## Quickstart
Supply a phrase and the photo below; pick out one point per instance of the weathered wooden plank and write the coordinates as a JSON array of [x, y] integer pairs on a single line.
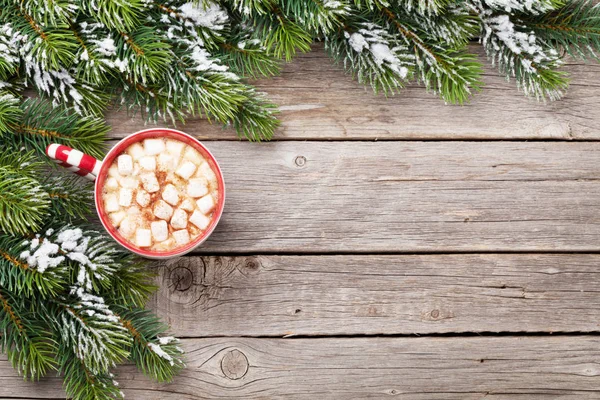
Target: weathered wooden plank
[[355, 295], [296, 197], [472, 368], [319, 101]]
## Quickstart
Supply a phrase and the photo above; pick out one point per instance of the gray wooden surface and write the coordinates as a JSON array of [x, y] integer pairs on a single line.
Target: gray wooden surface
[[426, 368], [391, 247]]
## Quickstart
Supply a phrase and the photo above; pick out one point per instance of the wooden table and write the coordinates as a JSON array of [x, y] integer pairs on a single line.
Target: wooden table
[[392, 247]]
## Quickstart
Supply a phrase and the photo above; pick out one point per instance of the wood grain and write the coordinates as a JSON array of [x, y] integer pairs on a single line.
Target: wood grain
[[298, 197], [356, 295], [473, 368], [319, 101]]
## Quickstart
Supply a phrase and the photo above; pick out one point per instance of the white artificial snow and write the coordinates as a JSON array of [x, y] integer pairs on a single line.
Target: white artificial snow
[[204, 14], [42, 256], [203, 63], [358, 42], [382, 54], [69, 238], [372, 39], [534, 6], [166, 340], [160, 352], [10, 41], [105, 46]]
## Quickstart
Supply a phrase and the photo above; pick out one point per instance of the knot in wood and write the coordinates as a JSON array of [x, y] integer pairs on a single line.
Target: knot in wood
[[234, 364], [252, 265], [181, 278], [300, 161], [435, 314]]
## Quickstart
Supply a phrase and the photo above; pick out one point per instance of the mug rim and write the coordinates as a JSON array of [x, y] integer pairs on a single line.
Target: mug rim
[[103, 173]]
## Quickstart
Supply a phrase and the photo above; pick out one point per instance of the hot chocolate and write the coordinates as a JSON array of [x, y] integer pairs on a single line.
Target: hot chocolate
[[160, 194]]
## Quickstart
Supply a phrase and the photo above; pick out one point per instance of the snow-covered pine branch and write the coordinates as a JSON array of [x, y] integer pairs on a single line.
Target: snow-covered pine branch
[[374, 56], [518, 52]]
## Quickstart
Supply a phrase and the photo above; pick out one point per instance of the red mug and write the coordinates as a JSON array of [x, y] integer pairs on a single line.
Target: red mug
[[96, 170]]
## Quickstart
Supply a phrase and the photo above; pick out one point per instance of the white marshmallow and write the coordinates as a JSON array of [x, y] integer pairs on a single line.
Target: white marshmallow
[[193, 155], [113, 171], [170, 194], [160, 231], [179, 219], [197, 187], [136, 151], [134, 212], [117, 217], [112, 183], [125, 197], [128, 226], [187, 205], [208, 173], [166, 162], [148, 163], [181, 237], [125, 164], [200, 220], [111, 203], [175, 147], [162, 210], [206, 204], [150, 182], [186, 169], [129, 182], [142, 198], [154, 146], [143, 237]]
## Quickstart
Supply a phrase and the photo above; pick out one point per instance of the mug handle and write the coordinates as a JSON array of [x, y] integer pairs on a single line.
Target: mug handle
[[74, 160]]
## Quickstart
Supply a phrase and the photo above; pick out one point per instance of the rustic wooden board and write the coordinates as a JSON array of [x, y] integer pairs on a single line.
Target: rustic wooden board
[[470, 368], [319, 101], [354, 295], [298, 197]]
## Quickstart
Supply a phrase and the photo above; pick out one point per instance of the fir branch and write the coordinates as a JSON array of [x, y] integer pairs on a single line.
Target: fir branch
[[447, 70], [255, 119], [91, 329], [148, 56], [71, 197], [250, 7], [96, 63], [9, 57], [81, 383], [122, 15], [52, 47], [372, 55], [318, 16], [281, 36], [131, 285], [19, 276], [573, 28], [10, 113], [247, 58], [29, 351], [426, 7], [49, 12], [23, 202], [43, 124], [520, 54], [157, 357]]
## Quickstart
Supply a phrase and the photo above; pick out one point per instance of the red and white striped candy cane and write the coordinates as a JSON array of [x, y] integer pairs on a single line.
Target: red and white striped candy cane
[[74, 160]]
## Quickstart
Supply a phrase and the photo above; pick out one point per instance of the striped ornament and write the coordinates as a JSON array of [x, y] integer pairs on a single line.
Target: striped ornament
[[74, 160]]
